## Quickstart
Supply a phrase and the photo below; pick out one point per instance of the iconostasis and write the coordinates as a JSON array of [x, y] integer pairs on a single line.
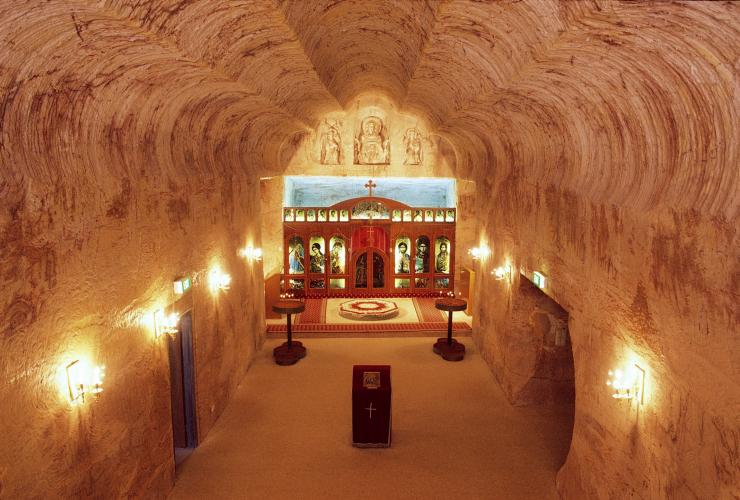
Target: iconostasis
[[368, 246]]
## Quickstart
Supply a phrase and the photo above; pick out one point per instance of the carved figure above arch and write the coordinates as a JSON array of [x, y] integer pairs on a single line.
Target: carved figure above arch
[[372, 146]]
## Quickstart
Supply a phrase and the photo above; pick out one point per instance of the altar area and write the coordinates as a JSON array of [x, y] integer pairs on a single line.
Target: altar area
[[417, 317]]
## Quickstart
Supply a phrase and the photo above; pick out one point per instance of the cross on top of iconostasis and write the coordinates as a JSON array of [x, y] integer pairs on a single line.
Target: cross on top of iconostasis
[[370, 185]]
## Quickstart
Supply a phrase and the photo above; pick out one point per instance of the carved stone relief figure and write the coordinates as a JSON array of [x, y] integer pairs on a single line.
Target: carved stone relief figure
[[412, 140], [372, 146], [331, 146]]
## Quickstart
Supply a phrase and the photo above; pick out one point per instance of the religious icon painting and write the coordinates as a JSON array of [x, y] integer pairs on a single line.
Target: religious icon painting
[[361, 271], [371, 380], [442, 283], [296, 254], [288, 214], [403, 283], [322, 216], [407, 215], [428, 215], [421, 261], [333, 216], [450, 215], [296, 284], [337, 255], [421, 283], [417, 216], [300, 215], [311, 215], [344, 215], [396, 216], [317, 254], [337, 283], [317, 284], [442, 253], [403, 257], [440, 217]]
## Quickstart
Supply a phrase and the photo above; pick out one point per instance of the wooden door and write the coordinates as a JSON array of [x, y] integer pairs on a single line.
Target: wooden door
[[370, 271], [182, 384]]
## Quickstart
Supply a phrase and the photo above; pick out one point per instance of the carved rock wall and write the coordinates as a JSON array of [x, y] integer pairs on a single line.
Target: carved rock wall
[[651, 288], [531, 356], [117, 158]]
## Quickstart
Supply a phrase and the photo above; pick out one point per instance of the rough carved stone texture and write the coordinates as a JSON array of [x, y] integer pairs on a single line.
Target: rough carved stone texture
[[362, 47], [601, 136], [532, 356]]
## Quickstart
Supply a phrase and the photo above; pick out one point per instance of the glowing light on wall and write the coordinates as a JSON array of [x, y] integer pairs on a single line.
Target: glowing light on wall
[[218, 280], [251, 253], [165, 323], [628, 383], [502, 272], [480, 253], [182, 285], [84, 379], [539, 279]]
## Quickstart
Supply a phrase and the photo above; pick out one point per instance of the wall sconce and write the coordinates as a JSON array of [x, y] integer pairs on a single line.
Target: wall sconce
[[82, 380], [182, 285], [165, 323], [502, 272], [628, 385], [539, 279], [251, 254], [218, 280], [479, 253]]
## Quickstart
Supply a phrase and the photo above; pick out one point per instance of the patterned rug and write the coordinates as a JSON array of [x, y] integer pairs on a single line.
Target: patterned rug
[[322, 330], [315, 312], [426, 311]]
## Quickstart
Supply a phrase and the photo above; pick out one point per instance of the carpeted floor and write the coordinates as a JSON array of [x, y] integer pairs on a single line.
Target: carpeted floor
[[287, 432], [417, 317]]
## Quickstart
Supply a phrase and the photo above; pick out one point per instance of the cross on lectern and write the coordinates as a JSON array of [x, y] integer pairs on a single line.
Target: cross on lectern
[[370, 185], [371, 410]]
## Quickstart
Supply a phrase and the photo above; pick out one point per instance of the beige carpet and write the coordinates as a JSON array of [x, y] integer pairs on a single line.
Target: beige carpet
[[287, 432]]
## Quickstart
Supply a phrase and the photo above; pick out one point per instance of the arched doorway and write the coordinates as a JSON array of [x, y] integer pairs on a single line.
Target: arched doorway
[[371, 270], [369, 260]]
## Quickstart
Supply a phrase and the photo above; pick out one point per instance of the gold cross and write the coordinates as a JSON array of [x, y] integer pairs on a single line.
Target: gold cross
[[371, 410], [370, 185]]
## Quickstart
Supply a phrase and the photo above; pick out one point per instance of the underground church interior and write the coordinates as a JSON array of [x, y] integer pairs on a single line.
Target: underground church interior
[[369, 249]]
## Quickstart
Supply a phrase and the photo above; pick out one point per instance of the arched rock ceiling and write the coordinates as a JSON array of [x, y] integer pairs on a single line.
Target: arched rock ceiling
[[632, 103]]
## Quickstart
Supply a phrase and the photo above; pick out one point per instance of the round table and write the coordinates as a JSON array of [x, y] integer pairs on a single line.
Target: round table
[[288, 353], [449, 348]]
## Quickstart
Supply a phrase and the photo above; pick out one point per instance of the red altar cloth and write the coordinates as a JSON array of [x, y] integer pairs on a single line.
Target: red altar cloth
[[371, 406]]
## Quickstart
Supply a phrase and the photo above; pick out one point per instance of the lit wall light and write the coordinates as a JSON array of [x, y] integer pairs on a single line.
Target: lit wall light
[[182, 285], [218, 280], [502, 272], [251, 253], [628, 384], [479, 253], [539, 279], [165, 323], [83, 379]]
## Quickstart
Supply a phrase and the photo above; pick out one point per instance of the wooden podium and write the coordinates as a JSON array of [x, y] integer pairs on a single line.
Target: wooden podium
[[371, 406]]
